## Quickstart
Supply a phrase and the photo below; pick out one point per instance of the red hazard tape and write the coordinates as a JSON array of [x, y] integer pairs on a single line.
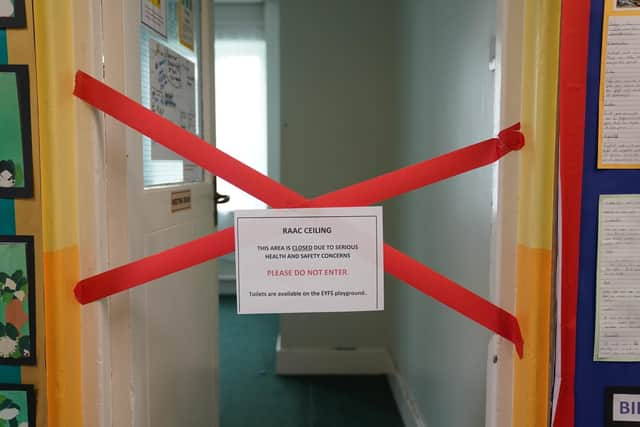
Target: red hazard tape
[[277, 195]]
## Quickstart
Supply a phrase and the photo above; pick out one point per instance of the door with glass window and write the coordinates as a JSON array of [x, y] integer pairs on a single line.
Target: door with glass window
[[163, 334]]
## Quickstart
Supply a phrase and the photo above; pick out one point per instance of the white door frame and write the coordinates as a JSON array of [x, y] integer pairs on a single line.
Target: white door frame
[[102, 31], [92, 218], [508, 88]]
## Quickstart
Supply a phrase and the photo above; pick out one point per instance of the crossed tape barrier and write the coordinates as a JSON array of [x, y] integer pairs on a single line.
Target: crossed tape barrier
[[277, 195]]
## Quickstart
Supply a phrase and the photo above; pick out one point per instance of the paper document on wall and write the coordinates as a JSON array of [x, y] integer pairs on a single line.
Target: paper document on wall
[[618, 279], [154, 15], [172, 88], [185, 23], [309, 260], [619, 136]]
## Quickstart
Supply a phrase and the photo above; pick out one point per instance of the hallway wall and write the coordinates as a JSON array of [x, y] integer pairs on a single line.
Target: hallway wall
[[368, 87], [338, 126], [446, 98]]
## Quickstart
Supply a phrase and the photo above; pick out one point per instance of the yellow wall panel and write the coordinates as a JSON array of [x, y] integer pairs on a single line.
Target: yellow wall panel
[[58, 163], [63, 352], [54, 43], [541, 45], [531, 375], [537, 208]]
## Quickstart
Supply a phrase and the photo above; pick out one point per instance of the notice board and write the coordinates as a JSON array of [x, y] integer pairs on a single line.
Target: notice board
[[600, 180]]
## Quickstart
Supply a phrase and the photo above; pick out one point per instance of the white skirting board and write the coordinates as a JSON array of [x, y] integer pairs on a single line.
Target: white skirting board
[[411, 415], [352, 361], [332, 361]]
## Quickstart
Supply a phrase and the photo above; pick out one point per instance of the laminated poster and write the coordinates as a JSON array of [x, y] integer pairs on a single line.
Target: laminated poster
[[309, 260], [154, 15], [618, 279], [619, 121], [172, 82], [185, 23]]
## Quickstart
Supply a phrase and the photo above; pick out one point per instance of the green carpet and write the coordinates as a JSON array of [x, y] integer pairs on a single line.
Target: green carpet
[[251, 394]]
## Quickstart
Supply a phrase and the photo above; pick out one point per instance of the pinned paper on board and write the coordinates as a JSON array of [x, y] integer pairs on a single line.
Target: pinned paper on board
[[619, 121], [154, 15], [185, 23], [618, 279], [172, 86], [309, 260]]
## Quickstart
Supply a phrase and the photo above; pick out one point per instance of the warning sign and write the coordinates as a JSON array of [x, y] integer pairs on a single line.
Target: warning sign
[[309, 260]]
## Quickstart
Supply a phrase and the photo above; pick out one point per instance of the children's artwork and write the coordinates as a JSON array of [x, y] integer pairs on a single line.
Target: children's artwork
[[12, 14], [17, 303], [16, 170], [17, 405]]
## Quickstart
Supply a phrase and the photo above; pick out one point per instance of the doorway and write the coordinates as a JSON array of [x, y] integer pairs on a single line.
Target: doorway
[[367, 87], [355, 102], [250, 32], [162, 337]]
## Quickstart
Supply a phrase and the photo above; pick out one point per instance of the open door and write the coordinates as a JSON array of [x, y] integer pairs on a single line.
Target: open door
[[164, 335]]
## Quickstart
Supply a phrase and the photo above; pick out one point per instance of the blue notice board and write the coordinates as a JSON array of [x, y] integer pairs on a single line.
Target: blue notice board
[[593, 378]]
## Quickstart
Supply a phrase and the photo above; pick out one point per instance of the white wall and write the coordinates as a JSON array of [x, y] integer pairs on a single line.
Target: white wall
[[337, 111], [445, 103]]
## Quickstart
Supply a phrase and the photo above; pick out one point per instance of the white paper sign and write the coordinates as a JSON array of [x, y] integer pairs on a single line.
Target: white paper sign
[[309, 260], [154, 15], [626, 407], [173, 96], [172, 80], [185, 23], [618, 279]]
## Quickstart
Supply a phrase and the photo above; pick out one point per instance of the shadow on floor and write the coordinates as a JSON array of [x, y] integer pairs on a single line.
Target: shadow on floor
[[251, 394]]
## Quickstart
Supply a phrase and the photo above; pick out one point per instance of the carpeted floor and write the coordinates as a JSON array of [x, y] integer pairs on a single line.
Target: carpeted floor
[[251, 394]]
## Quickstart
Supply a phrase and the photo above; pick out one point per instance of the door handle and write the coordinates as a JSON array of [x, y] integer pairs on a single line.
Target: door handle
[[217, 199], [221, 198]]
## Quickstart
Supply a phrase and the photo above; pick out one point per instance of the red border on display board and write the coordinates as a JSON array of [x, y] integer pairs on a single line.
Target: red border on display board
[[574, 42]]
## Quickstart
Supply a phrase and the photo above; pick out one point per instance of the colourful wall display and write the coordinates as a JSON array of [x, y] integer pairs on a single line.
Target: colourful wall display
[[21, 226], [591, 377], [584, 380]]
